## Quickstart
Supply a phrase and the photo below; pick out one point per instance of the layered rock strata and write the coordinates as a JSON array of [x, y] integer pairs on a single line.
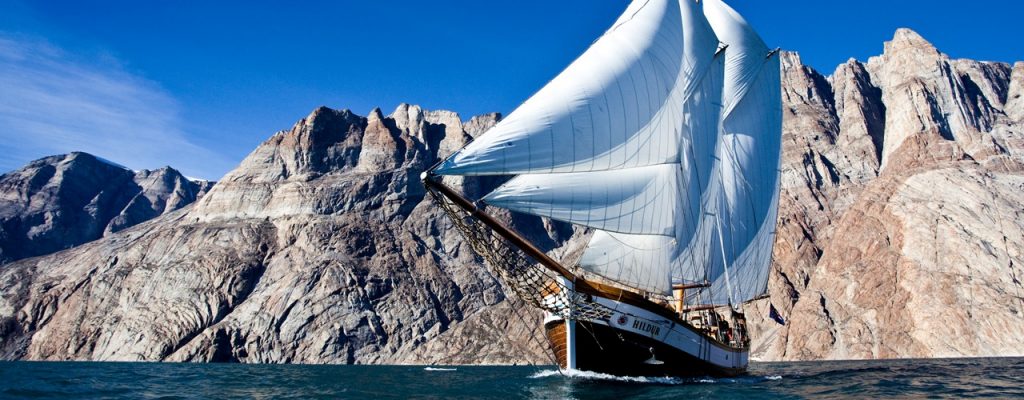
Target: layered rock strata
[[319, 248], [900, 222]]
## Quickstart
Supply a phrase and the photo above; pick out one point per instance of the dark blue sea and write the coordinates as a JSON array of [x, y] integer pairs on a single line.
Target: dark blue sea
[[951, 378]]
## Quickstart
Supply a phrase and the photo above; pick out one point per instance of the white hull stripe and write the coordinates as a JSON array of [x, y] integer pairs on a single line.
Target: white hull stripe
[[637, 320]]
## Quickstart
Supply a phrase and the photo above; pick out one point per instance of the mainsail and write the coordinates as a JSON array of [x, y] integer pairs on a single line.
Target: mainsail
[[749, 154], [664, 138]]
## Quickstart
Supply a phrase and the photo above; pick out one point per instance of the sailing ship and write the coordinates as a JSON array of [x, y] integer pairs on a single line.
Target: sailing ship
[[662, 139]]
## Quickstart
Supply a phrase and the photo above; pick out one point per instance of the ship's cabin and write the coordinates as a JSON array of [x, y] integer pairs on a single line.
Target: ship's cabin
[[721, 322]]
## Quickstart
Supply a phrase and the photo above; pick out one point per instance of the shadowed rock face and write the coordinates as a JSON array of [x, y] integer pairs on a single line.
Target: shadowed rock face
[[899, 236], [59, 202]]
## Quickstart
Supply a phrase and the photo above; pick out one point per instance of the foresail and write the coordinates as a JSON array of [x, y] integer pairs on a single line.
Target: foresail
[[617, 106], [616, 256]]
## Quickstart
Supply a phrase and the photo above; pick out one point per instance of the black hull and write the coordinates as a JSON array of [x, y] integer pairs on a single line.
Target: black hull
[[601, 348]]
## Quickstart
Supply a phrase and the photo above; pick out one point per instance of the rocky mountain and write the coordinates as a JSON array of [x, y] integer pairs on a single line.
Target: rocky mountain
[[59, 202], [899, 236], [900, 216], [319, 247]]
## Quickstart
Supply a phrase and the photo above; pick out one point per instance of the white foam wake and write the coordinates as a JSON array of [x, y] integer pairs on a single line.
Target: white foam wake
[[597, 376], [440, 369]]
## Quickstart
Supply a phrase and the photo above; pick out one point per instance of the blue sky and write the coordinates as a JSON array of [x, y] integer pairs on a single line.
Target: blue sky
[[197, 85]]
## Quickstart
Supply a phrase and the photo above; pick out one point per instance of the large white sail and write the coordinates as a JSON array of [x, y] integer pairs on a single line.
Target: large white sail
[[746, 209], [644, 182], [638, 261]]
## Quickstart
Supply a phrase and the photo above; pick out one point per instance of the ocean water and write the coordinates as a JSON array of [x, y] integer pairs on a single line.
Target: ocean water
[[950, 378]]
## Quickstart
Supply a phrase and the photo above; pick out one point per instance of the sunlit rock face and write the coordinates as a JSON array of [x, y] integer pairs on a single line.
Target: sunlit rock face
[[320, 248], [900, 229], [899, 236]]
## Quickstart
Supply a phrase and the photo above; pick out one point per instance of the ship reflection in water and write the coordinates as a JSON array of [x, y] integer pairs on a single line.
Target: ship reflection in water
[[956, 378]]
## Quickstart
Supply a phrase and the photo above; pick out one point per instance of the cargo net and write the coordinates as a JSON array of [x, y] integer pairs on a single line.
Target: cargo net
[[533, 283]]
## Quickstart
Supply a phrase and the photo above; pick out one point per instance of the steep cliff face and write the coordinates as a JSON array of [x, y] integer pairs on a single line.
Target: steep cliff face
[[900, 211], [63, 201], [1015, 95], [899, 235], [320, 247]]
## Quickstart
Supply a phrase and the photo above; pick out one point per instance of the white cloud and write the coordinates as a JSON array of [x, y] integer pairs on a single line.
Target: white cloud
[[53, 102]]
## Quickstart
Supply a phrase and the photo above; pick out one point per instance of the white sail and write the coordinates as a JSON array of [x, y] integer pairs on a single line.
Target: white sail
[[665, 145], [640, 200], [748, 272], [617, 106], [662, 199], [749, 153], [618, 255]]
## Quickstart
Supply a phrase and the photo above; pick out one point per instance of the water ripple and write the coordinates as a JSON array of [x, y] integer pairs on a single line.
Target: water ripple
[[960, 378]]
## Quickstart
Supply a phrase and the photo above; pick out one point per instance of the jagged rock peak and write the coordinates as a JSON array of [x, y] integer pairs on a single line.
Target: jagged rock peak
[[804, 85], [77, 158], [323, 115], [851, 70], [382, 149], [440, 131], [422, 124], [328, 144], [861, 117], [479, 124], [62, 201], [790, 60], [330, 140], [324, 141], [162, 171], [408, 118], [907, 39], [927, 93], [851, 67], [375, 115], [907, 54]]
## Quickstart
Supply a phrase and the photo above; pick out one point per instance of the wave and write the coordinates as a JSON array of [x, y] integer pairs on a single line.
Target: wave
[[598, 376], [440, 369]]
